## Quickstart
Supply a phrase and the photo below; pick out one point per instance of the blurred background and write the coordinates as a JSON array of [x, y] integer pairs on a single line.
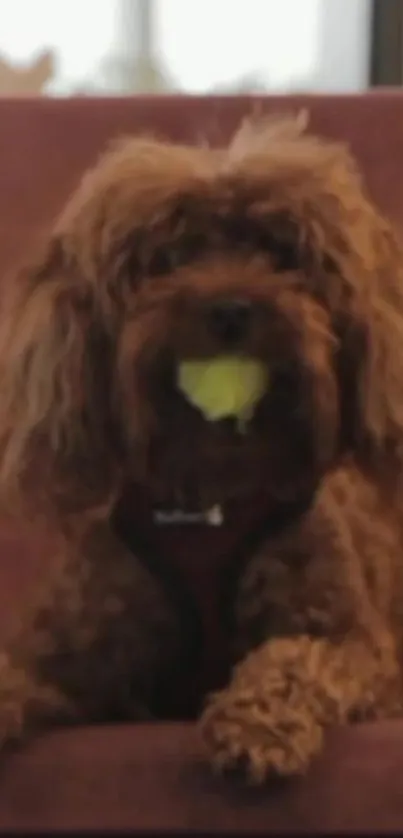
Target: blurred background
[[123, 47]]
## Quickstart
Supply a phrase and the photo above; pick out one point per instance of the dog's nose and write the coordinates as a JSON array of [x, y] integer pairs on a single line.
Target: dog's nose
[[229, 320]]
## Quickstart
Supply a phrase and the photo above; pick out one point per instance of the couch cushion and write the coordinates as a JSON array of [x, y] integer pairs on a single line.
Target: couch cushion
[[152, 778]]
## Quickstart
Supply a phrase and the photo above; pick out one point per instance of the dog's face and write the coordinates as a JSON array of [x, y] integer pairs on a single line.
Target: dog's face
[[267, 250], [235, 302]]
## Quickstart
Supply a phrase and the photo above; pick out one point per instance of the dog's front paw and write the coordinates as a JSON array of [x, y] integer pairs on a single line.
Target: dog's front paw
[[244, 733]]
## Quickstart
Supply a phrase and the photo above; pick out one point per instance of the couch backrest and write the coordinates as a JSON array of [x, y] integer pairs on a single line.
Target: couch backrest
[[45, 144]]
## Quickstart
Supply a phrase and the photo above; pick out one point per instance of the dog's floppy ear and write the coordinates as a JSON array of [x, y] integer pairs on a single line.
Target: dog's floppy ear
[[310, 192], [371, 349], [55, 444], [356, 269]]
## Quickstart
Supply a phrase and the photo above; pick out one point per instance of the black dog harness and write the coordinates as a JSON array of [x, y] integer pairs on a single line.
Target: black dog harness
[[198, 557]]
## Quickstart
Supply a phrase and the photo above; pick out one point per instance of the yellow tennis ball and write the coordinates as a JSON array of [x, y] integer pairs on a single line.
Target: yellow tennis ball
[[224, 386]]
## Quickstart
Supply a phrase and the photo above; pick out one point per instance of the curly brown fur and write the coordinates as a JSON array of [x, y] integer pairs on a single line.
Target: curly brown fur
[[89, 344]]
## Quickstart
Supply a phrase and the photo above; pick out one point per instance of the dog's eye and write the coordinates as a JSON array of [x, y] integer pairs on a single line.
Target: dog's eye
[[283, 243], [169, 255], [283, 251], [285, 256], [157, 263], [160, 262], [277, 236]]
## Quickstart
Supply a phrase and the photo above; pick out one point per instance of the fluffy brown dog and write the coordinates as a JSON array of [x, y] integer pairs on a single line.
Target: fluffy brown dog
[[271, 249]]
